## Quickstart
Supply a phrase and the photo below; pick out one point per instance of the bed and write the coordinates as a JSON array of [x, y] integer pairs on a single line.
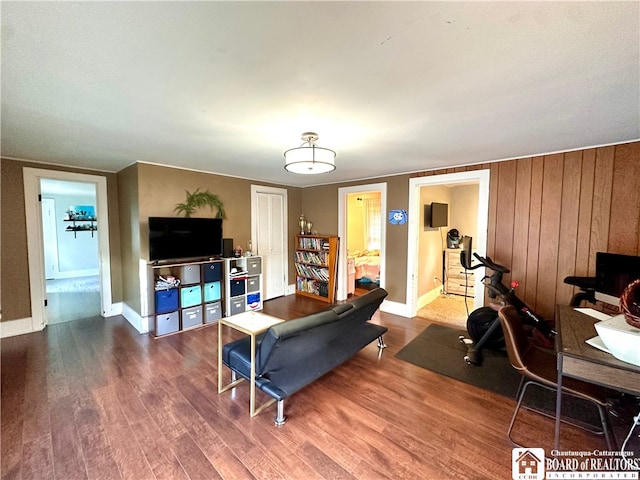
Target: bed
[[367, 265]]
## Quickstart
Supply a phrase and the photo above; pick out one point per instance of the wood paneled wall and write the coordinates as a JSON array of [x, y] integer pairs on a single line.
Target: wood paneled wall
[[549, 215]]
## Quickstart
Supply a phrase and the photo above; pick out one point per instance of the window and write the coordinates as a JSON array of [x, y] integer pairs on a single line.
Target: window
[[372, 223]]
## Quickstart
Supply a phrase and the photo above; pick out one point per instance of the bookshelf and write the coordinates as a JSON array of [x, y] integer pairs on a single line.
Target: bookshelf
[[316, 261]]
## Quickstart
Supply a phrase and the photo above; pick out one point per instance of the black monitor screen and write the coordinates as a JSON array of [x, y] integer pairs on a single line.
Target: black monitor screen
[[615, 271]]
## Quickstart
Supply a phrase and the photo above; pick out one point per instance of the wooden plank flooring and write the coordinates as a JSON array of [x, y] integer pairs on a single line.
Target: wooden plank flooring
[[93, 399]]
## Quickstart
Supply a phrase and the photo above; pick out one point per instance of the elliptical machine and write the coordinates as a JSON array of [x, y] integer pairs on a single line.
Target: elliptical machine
[[483, 324]]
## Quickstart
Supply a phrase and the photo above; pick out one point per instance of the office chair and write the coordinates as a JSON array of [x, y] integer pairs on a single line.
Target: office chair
[[539, 367]]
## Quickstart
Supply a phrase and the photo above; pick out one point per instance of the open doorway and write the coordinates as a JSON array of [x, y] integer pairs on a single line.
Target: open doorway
[[362, 232], [35, 239], [71, 260], [425, 240]]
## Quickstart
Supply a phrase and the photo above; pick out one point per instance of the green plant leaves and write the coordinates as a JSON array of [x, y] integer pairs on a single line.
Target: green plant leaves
[[198, 200]]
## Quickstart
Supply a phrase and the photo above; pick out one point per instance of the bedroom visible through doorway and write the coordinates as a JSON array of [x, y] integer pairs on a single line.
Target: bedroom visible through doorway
[[362, 211], [364, 229]]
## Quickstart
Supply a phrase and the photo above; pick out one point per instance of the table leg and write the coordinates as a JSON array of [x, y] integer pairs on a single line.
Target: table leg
[[558, 403], [219, 357], [252, 381]]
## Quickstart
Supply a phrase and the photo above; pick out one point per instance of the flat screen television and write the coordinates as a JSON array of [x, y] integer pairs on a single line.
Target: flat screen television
[[613, 273], [439, 215], [176, 238]]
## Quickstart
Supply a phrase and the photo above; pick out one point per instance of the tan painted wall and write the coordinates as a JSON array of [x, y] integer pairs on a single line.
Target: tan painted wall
[[153, 190], [463, 209], [14, 279], [431, 241], [320, 205], [129, 231]]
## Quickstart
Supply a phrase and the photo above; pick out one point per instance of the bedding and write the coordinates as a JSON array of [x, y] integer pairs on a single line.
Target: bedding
[[367, 265]]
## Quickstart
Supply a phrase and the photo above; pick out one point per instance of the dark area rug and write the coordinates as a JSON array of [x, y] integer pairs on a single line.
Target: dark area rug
[[438, 349]]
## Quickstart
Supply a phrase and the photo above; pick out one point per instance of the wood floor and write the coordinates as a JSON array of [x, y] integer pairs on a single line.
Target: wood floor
[[93, 399]]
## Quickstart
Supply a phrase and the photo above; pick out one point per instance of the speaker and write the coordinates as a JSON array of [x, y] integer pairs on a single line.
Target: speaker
[[227, 247]]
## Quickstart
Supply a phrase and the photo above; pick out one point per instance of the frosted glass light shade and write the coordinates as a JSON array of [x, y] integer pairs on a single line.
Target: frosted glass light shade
[[308, 160]]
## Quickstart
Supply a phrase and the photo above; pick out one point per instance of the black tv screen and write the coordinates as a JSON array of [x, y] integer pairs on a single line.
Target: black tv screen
[[174, 238], [439, 215]]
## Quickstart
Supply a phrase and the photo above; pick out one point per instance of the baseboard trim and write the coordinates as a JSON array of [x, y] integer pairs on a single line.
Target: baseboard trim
[[395, 308], [141, 324], [429, 297], [12, 328]]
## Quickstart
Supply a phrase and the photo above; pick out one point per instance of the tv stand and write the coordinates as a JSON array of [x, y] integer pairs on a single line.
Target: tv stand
[[194, 303]]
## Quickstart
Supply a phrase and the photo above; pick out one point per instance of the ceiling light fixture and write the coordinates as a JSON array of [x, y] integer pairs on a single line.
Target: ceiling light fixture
[[309, 158]]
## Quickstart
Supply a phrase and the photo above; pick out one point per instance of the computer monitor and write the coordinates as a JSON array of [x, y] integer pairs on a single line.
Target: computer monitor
[[613, 273]]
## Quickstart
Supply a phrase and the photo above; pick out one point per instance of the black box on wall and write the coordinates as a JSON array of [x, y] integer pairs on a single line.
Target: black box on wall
[[227, 247]]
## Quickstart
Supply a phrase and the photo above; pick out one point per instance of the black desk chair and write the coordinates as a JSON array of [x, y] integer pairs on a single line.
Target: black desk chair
[[539, 367], [587, 286]]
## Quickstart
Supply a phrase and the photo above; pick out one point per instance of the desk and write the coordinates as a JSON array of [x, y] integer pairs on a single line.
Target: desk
[[579, 360], [252, 324]]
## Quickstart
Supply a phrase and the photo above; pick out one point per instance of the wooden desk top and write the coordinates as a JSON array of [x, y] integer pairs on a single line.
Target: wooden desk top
[[587, 362]]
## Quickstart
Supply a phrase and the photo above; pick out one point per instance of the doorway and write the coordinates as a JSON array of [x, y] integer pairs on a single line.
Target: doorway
[[361, 228], [70, 240], [33, 188], [416, 225]]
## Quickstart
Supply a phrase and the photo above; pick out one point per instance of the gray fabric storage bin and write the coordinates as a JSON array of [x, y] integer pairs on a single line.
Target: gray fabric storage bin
[[253, 284], [237, 305], [189, 274], [212, 312], [191, 317], [167, 323], [254, 265]]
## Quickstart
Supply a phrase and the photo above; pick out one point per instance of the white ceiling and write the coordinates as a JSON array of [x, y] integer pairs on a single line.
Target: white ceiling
[[392, 87]]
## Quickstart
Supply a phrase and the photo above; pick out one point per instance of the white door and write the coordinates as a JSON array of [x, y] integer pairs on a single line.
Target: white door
[[269, 235], [49, 237]]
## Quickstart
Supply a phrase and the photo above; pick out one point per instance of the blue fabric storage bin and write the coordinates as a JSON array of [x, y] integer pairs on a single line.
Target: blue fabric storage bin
[[166, 300], [190, 296], [253, 301], [237, 287], [212, 272], [212, 291]]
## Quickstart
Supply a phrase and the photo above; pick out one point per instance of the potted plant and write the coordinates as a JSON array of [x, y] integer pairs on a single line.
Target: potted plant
[[200, 199]]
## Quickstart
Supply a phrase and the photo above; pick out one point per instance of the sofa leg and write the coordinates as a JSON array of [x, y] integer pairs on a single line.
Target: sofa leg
[[280, 418], [381, 343], [234, 376]]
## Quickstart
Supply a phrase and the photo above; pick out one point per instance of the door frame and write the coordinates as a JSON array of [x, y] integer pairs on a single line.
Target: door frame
[[343, 193], [255, 190], [35, 247], [415, 215]]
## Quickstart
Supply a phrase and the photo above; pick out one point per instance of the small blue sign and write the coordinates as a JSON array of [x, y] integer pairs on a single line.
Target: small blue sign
[[398, 217]]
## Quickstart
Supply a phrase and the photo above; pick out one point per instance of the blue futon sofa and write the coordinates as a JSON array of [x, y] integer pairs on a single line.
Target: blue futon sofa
[[292, 354]]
